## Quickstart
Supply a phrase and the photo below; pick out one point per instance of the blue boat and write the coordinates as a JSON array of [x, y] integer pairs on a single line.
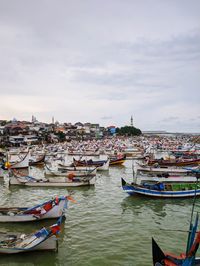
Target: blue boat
[[162, 189]]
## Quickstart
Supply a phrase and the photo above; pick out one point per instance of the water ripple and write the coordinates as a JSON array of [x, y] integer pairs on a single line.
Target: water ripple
[[105, 227]]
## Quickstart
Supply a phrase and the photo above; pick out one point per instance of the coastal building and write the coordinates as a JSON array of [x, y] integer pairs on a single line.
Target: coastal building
[[79, 125], [16, 140], [16, 128], [112, 130], [31, 139]]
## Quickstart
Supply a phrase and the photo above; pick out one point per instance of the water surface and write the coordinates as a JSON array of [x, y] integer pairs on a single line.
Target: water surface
[[105, 227]]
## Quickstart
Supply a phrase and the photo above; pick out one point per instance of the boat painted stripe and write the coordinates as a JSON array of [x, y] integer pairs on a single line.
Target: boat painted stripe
[[154, 192]]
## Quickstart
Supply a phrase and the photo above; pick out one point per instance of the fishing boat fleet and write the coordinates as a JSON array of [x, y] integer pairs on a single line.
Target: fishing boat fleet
[[162, 168], [173, 177], [57, 171], [43, 239]]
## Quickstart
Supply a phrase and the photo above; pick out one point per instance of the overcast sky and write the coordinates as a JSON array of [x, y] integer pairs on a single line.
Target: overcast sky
[[102, 61]]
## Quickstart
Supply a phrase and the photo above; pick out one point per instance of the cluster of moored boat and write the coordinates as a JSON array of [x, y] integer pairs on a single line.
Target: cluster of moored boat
[[57, 173], [174, 177], [165, 182], [167, 171], [81, 172], [43, 239], [165, 168]]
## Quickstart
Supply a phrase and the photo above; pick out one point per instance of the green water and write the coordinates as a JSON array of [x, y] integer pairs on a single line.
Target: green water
[[105, 227]]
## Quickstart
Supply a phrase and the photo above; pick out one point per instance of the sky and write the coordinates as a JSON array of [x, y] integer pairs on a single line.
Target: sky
[[102, 61]]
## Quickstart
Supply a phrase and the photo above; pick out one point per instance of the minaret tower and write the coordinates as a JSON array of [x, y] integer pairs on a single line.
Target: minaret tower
[[131, 121]]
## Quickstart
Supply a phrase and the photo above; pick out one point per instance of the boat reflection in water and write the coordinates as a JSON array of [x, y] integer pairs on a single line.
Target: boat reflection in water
[[159, 207]]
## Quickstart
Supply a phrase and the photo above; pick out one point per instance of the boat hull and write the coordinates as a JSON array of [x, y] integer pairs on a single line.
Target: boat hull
[[166, 163], [15, 181], [139, 190], [100, 165], [23, 164], [50, 244], [55, 212], [117, 161], [39, 162]]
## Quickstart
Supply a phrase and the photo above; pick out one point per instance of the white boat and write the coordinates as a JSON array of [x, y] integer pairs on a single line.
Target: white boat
[[24, 163], [37, 161], [166, 175], [66, 173], [48, 210], [51, 182], [162, 170], [44, 239], [91, 169], [141, 179]]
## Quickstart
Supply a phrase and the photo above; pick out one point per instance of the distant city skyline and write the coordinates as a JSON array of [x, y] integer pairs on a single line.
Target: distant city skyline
[[53, 120], [35, 120], [102, 62]]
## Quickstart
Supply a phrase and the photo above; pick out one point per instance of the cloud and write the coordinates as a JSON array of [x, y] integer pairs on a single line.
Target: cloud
[[101, 62], [106, 117], [184, 47], [170, 119]]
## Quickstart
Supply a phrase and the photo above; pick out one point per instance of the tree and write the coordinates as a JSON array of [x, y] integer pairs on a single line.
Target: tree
[[3, 123], [61, 136], [128, 131]]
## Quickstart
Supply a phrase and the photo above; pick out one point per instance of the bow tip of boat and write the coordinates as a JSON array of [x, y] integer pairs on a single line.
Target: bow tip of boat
[[123, 182]]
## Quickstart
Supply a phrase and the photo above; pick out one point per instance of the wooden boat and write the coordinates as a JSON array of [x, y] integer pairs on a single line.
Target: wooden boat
[[88, 162], [37, 162], [143, 169], [170, 180], [16, 179], [185, 153], [117, 160], [102, 165], [24, 163], [185, 259], [44, 239], [174, 162], [63, 167], [70, 174], [162, 190], [48, 210], [166, 259]]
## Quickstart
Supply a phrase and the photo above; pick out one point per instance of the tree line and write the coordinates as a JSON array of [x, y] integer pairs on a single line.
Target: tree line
[[128, 131]]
